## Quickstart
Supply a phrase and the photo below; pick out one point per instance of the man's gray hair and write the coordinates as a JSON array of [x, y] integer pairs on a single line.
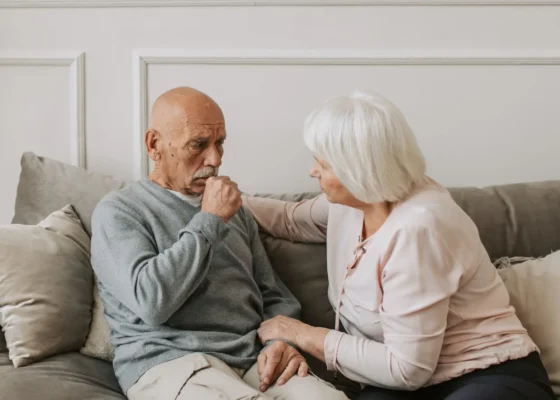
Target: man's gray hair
[[369, 144]]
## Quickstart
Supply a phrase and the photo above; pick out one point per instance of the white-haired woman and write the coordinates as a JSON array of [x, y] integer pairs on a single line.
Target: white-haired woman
[[425, 314]]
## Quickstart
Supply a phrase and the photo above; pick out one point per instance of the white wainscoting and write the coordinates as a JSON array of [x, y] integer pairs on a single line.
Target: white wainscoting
[[71, 146], [479, 81], [273, 3], [487, 143]]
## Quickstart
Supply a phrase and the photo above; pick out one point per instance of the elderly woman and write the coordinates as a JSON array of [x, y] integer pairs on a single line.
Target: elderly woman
[[425, 314]]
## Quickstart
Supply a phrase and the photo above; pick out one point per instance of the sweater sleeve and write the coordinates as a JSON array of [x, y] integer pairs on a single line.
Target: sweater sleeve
[[418, 280], [152, 284], [277, 298], [305, 221]]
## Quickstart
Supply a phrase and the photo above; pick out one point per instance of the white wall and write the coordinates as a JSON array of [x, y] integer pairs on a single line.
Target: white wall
[[480, 84]]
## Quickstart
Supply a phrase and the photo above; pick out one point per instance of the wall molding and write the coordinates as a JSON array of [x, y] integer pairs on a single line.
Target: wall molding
[[75, 61], [144, 57], [252, 3]]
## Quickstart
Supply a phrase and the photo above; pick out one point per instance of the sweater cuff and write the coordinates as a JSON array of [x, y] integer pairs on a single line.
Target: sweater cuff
[[332, 342], [211, 226]]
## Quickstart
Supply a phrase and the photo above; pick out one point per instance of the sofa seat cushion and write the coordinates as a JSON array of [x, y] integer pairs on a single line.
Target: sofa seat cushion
[[67, 376]]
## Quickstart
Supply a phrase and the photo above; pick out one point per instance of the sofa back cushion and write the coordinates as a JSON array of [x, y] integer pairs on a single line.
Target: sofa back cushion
[[46, 185], [515, 220]]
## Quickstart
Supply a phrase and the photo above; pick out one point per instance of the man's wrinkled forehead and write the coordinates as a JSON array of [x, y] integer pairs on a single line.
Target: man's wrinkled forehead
[[215, 131]]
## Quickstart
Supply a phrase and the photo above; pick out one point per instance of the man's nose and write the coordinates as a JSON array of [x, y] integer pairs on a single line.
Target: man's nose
[[213, 157]]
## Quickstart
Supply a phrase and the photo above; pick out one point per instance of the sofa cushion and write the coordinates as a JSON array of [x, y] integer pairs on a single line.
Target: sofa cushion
[[46, 185], [533, 287], [69, 376], [515, 220], [45, 287]]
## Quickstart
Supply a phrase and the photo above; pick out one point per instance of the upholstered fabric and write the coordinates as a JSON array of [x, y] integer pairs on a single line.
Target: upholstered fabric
[[46, 185], [515, 220], [45, 287], [70, 376], [534, 289]]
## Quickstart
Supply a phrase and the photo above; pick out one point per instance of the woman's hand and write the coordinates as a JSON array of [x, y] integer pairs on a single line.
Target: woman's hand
[[308, 338], [281, 327]]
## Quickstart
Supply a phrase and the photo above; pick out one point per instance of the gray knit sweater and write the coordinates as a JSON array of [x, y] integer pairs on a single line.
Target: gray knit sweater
[[175, 280]]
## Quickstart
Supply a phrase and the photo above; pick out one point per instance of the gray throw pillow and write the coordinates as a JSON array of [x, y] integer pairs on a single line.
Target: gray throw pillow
[[47, 185], [45, 287]]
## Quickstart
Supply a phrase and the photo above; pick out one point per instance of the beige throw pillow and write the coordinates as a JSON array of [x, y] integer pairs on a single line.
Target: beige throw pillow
[[45, 287], [98, 343], [533, 287]]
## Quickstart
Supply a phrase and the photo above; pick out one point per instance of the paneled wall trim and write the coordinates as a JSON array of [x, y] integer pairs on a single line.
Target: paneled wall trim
[[144, 57], [76, 113], [230, 3]]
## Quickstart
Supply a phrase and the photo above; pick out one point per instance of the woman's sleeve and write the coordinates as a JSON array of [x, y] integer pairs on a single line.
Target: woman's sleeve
[[305, 221], [417, 280]]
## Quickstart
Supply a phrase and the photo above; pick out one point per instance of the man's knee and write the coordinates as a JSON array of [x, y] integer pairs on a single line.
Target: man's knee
[[309, 387]]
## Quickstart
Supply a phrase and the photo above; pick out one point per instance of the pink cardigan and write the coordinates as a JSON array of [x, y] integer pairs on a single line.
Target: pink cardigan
[[423, 305]]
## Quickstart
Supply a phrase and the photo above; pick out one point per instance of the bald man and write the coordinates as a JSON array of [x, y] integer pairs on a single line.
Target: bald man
[[184, 277]]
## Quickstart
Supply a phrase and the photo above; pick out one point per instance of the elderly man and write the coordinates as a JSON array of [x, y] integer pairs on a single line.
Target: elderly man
[[184, 277]]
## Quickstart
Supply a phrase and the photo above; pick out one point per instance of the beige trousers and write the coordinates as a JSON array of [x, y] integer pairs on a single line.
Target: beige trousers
[[202, 377]]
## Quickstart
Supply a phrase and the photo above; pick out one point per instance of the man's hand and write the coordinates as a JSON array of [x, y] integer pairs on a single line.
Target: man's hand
[[279, 362], [221, 197]]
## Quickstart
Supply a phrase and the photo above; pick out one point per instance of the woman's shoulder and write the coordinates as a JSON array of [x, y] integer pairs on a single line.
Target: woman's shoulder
[[433, 209]]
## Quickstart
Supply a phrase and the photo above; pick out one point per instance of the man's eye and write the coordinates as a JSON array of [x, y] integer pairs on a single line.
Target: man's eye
[[199, 145]]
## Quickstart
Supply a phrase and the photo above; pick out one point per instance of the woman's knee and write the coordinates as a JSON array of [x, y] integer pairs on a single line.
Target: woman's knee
[[515, 390], [374, 393]]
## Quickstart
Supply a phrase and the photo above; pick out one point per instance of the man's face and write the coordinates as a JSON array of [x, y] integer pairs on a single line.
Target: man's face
[[193, 154]]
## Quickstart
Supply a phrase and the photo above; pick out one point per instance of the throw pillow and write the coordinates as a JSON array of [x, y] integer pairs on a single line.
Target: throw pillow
[[45, 287], [533, 289], [98, 343]]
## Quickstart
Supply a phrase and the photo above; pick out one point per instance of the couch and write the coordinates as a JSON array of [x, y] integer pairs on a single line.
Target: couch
[[513, 220]]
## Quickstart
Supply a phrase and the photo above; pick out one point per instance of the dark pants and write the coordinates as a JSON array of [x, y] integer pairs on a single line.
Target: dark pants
[[520, 379]]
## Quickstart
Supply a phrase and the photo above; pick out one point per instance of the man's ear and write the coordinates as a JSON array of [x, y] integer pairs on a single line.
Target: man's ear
[[152, 141]]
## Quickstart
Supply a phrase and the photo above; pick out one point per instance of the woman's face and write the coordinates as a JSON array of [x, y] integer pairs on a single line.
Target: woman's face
[[331, 185]]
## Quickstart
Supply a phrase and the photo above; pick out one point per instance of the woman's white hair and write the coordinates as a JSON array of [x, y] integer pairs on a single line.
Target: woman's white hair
[[369, 145]]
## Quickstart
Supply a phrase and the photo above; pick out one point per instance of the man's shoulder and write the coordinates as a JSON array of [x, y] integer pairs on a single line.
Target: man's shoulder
[[121, 200], [245, 217]]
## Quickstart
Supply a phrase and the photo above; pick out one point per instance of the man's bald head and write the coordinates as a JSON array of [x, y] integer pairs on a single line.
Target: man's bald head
[[178, 107], [185, 139]]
